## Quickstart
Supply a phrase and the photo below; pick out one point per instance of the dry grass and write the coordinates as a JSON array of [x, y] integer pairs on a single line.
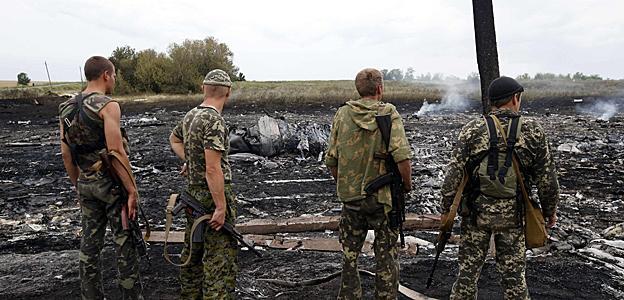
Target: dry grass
[[13, 83], [338, 91]]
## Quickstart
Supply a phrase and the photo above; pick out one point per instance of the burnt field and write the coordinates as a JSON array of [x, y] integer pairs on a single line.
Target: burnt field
[[40, 220]]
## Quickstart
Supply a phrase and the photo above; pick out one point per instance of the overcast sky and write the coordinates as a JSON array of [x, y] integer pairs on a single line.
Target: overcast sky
[[292, 40]]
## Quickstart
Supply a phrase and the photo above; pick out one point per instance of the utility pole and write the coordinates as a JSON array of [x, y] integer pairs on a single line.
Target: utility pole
[[47, 71], [485, 40]]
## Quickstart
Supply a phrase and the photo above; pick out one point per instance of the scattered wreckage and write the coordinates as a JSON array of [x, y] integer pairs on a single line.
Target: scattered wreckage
[[279, 177]]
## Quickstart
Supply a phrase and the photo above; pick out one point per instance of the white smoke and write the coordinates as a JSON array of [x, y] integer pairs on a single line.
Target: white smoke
[[452, 101], [602, 110]]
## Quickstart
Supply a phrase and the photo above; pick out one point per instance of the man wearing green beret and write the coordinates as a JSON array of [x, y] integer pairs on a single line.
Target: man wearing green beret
[[493, 204], [201, 139]]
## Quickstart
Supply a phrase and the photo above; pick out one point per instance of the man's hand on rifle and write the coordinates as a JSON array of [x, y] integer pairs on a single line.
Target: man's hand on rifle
[[132, 206], [218, 218], [552, 220]]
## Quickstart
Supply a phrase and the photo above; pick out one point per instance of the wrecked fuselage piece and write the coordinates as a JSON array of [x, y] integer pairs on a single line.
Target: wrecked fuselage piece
[[272, 136]]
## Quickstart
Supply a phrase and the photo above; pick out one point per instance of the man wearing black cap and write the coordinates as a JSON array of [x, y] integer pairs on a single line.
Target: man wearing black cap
[[491, 206]]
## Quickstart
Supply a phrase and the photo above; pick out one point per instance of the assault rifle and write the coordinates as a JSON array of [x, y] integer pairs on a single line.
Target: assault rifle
[[447, 226], [132, 226], [393, 178], [198, 210]]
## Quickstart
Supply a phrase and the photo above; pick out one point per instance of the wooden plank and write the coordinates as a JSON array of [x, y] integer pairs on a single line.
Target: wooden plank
[[301, 224], [306, 224], [294, 243]]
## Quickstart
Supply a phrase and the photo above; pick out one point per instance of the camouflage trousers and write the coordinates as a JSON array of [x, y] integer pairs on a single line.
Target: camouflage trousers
[[510, 261], [100, 207], [211, 273], [357, 217]]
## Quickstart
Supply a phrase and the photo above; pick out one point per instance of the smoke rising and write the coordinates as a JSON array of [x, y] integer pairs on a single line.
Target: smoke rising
[[602, 110], [452, 101]]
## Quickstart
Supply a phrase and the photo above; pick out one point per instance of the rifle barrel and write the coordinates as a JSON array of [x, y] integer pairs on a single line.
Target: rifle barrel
[[435, 263]]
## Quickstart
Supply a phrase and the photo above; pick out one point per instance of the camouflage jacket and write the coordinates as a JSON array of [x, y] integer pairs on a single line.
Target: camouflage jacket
[[353, 142], [203, 128], [533, 151], [88, 163]]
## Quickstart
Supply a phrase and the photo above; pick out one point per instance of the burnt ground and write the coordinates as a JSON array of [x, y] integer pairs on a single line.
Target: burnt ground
[[40, 223]]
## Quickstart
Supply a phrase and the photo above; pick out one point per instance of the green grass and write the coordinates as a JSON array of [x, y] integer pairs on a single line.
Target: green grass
[[338, 91]]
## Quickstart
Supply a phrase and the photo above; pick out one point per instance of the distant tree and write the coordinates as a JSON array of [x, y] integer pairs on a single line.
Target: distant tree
[[544, 76], [524, 76], [122, 86], [395, 74], [473, 77], [594, 77], [179, 70], [451, 78], [437, 77], [240, 77], [125, 60], [194, 58], [424, 77], [22, 79], [409, 74], [152, 72], [384, 73]]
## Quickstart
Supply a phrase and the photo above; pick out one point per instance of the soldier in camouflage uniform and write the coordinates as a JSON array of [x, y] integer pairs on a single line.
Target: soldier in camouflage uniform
[[502, 218], [201, 139], [99, 205], [353, 143]]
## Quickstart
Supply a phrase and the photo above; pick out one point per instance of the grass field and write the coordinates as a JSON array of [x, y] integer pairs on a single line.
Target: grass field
[[338, 91], [13, 83]]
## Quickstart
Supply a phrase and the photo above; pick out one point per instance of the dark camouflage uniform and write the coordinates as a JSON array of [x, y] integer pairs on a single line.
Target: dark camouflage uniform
[[99, 207], [499, 217], [353, 142], [211, 274]]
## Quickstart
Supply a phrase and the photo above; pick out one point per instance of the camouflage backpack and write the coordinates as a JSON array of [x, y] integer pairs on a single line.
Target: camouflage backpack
[[82, 134], [495, 174]]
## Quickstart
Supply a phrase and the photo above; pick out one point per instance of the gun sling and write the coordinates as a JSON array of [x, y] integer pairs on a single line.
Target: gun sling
[[79, 114], [384, 123], [535, 226], [170, 205]]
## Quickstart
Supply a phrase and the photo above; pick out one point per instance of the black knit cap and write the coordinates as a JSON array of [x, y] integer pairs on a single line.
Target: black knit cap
[[503, 87]]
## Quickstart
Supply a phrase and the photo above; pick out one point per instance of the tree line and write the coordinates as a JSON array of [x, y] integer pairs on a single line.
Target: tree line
[[409, 75], [179, 70]]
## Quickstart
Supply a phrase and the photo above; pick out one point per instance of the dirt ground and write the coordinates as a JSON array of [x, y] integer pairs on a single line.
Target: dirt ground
[[40, 220]]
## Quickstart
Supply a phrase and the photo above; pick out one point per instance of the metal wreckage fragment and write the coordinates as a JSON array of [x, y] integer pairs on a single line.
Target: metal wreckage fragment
[[271, 136]]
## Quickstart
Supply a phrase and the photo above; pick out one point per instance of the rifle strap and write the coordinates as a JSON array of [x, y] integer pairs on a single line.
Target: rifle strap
[[385, 134], [170, 204], [126, 167], [492, 163], [515, 163]]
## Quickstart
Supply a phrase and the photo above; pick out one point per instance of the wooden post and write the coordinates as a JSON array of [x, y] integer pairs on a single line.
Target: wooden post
[[485, 40]]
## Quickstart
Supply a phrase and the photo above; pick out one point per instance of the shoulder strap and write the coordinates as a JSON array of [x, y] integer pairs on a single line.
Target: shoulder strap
[[510, 140], [170, 204], [83, 114], [516, 167], [492, 164], [384, 123]]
